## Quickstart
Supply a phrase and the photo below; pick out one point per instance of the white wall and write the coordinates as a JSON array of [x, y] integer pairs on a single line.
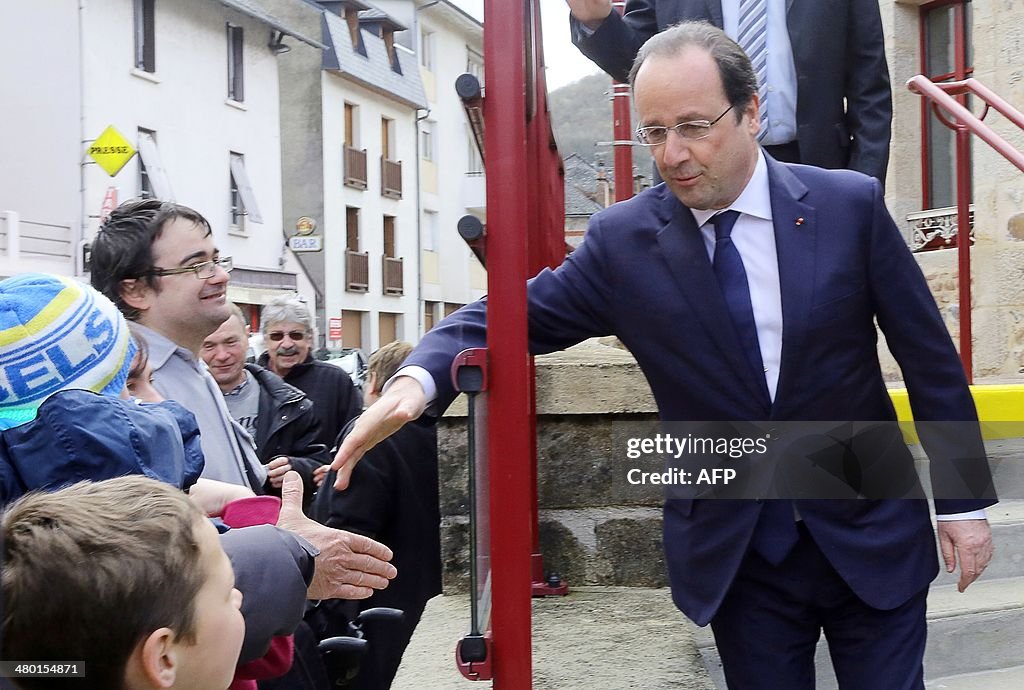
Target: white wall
[[40, 121], [459, 277], [185, 103]]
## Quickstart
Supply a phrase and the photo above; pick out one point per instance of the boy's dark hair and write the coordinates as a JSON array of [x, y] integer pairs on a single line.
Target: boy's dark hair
[[91, 570], [123, 247]]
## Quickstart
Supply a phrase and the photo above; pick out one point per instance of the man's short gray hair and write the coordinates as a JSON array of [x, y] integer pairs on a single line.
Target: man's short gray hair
[[286, 309]]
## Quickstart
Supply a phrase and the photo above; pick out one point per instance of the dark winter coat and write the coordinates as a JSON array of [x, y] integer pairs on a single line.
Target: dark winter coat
[[287, 425], [335, 399]]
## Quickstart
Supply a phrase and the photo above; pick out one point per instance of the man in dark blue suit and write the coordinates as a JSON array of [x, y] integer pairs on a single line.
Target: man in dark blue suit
[[817, 259], [829, 102]]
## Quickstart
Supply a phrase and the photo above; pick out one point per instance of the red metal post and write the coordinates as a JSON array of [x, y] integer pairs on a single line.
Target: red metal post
[[963, 201], [622, 133], [508, 439], [963, 246]]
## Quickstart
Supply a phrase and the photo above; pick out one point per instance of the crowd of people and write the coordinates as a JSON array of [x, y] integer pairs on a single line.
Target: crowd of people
[[132, 426]]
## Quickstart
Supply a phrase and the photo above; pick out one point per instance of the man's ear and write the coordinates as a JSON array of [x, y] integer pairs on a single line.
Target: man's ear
[[372, 384], [753, 111], [135, 292], [157, 658]]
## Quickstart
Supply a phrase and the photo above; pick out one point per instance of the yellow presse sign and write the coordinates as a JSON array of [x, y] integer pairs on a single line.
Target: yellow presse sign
[[111, 151]]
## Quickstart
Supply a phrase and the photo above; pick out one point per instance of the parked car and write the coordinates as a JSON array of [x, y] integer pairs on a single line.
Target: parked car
[[351, 359]]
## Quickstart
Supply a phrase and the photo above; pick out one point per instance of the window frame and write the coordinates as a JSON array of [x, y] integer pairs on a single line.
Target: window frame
[[961, 70], [236, 62], [144, 29]]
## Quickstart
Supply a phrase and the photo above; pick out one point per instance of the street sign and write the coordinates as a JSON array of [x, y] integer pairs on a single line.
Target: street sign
[[334, 328], [111, 151], [305, 243]]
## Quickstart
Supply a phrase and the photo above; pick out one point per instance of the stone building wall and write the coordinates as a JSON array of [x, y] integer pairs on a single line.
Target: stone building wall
[[997, 264], [595, 528]]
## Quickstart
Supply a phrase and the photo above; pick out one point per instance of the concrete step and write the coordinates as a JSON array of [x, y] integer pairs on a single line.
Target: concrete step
[[976, 631], [1002, 679]]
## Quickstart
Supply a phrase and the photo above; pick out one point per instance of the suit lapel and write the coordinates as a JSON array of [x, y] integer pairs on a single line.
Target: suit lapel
[[795, 241], [683, 249]]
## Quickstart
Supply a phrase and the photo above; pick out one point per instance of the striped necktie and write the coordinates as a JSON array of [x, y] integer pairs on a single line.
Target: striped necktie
[[753, 38]]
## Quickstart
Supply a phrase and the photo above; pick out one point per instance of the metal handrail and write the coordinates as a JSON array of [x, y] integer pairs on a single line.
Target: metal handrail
[[964, 124], [941, 96]]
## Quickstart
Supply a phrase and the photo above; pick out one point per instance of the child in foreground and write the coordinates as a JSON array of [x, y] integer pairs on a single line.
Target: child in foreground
[[125, 575]]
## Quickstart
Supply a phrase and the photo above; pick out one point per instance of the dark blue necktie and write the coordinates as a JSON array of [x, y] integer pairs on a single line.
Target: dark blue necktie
[[732, 280], [775, 534]]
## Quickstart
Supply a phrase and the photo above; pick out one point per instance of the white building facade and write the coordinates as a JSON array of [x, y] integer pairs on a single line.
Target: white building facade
[[448, 43], [192, 85]]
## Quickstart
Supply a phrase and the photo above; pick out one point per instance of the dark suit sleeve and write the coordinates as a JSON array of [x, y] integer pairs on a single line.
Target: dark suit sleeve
[[273, 569], [868, 95], [564, 307], [615, 43], [944, 411]]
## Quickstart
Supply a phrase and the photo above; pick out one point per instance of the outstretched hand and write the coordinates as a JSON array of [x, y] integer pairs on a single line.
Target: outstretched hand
[[971, 540], [403, 402], [590, 12], [350, 566]]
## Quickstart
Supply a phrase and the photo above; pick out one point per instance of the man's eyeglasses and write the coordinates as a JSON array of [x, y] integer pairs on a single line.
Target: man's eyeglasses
[[694, 129], [278, 336], [204, 270]]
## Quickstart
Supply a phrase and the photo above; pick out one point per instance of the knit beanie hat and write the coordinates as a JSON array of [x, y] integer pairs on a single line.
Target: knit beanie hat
[[56, 334]]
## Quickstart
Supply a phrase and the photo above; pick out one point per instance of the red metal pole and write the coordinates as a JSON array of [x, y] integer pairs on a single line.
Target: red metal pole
[[963, 200], [622, 134], [623, 142], [963, 245], [508, 437]]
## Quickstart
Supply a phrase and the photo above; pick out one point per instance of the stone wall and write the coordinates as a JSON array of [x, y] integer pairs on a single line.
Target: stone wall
[[997, 264], [594, 528]]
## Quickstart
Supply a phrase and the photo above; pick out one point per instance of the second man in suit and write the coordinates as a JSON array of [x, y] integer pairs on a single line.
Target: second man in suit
[[824, 88]]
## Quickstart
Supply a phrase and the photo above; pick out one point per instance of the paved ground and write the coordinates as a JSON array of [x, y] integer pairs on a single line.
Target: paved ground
[[597, 638]]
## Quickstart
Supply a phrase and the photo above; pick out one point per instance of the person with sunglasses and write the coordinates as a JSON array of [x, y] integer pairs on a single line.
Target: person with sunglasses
[[288, 334]]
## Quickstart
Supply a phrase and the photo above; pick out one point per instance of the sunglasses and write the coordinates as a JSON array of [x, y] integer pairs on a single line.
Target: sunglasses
[[278, 336]]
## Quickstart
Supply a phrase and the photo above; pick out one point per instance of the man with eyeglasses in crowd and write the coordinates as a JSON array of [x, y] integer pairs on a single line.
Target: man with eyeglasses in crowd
[[159, 264], [288, 333]]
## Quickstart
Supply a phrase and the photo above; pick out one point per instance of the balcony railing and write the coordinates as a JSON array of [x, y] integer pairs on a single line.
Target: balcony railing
[[357, 271], [390, 178], [393, 276], [936, 228], [355, 168]]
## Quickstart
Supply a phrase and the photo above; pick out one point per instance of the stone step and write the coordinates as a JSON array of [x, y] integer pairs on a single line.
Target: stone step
[[976, 631], [1001, 679]]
